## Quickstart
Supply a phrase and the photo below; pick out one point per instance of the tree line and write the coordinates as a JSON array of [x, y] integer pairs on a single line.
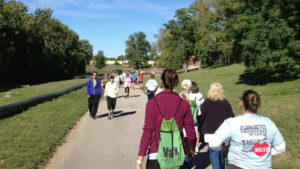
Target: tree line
[[264, 34], [36, 47]]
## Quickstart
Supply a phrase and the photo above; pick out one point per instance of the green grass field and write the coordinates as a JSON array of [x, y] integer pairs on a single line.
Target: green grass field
[[29, 138], [280, 102], [20, 94]]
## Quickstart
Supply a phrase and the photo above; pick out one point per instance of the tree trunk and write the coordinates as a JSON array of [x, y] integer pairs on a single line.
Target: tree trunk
[[185, 66], [200, 64], [228, 59]]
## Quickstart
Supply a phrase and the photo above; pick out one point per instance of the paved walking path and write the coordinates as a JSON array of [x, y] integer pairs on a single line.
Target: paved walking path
[[108, 144]]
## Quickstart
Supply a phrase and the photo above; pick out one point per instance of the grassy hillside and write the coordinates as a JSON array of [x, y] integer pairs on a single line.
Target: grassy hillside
[[28, 139], [280, 102]]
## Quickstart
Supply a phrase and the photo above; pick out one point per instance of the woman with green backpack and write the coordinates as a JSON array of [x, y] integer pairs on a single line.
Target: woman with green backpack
[[190, 92], [166, 116]]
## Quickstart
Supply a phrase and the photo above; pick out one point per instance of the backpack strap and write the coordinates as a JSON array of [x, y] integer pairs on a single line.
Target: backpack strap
[[178, 107], [160, 109]]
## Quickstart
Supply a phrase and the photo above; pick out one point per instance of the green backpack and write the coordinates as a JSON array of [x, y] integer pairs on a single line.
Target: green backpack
[[170, 153], [194, 109]]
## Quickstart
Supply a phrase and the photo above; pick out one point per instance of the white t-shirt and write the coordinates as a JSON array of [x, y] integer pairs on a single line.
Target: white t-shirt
[[158, 90], [116, 79], [198, 97], [151, 85], [251, 138]]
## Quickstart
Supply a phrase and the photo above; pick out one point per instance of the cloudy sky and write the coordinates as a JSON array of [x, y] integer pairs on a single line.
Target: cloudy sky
[[107, 24]]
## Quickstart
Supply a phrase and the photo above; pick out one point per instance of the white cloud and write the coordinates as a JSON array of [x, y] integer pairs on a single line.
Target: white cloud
[[79, 13]]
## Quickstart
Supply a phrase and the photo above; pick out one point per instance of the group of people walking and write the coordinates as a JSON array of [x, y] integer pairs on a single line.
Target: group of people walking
[[95, 92], [108, 88], [176, 124], [249, 140]]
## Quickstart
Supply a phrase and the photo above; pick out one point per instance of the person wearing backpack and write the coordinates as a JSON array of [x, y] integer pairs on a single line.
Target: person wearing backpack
[[140, 79], [190, 92], [214, 111], [196, 100], [151, 87], [166, 116]]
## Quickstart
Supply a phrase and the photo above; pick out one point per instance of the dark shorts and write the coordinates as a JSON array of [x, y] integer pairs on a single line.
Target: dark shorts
[[111, 103], [133, 81]]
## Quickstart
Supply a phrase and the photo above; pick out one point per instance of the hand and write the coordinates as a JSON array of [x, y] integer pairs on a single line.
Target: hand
[[225, 150], [138, 166], [89, 96], [192, 152]]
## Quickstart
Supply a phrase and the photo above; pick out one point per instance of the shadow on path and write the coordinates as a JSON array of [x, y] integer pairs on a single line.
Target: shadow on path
[[135, 96], [124, 114], [105, 115], [116, 114]]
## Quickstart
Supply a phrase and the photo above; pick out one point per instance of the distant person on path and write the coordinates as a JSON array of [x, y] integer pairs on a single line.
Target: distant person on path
[[151, 87], [254, 138], [140, 79], [133, 80], [94, 92], [167, 105], [214, 111], [104, 81], [111, 91], [127, 82]]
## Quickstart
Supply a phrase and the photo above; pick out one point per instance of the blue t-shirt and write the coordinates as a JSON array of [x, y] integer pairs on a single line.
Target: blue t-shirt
[[252, 137], [133, 76]]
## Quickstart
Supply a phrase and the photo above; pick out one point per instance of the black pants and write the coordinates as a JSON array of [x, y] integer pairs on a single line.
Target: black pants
[[127, 90], [231, 166], [153, 164], [111, 103], [93, 104]]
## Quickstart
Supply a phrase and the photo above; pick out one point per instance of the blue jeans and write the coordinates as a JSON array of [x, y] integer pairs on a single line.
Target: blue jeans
[[216, 159]]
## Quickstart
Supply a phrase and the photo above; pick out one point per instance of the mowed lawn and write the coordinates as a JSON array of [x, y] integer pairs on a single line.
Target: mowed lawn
[[280, 102], [20, 94], [28, 139]]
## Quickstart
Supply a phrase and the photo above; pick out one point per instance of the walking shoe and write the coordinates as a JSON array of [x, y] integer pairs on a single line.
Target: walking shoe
[[108, 116], [111, 115]]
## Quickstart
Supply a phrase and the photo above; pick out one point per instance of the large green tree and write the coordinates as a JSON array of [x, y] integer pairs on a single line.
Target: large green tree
[[178, 39], [265, 34], [137, 49], [36, 47], [100, 59]]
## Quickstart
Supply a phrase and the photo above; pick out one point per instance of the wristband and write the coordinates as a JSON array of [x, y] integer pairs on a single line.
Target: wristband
[[139, 161]]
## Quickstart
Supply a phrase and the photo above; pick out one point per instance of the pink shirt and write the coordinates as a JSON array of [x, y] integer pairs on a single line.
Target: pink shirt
[[127, 82], [168, 102]]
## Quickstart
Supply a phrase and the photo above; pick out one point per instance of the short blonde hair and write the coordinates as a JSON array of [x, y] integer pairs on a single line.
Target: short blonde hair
[[216, 92]]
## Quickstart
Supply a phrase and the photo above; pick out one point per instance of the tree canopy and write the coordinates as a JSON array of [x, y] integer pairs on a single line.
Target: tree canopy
[[100, 59], [137, 49], [262, 34], [36, 47]]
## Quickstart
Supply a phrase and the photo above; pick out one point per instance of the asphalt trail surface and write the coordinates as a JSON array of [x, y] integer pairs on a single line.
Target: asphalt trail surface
[[109, 144]]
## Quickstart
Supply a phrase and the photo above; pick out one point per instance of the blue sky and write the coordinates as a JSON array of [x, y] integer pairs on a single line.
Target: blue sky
[[107, 24]]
